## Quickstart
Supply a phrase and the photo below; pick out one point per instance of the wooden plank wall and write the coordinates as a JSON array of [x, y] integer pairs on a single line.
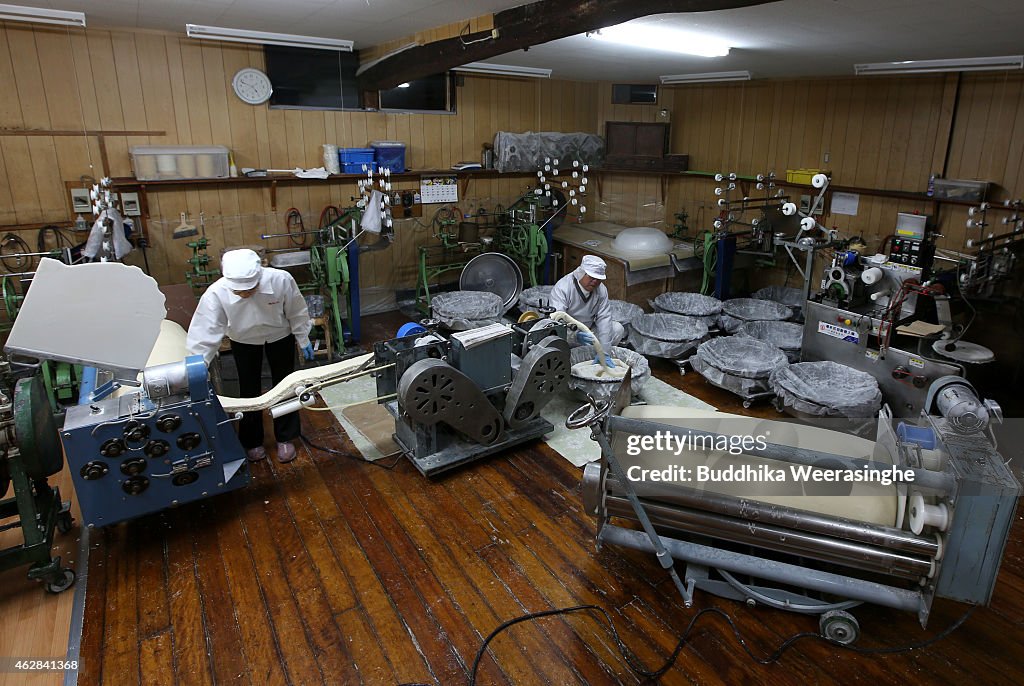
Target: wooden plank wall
[[888, 133], [137, 80], [884, 133]]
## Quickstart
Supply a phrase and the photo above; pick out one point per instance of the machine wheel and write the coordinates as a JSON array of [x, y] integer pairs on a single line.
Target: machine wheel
[[63, 584], [839, 627], [747, 404], [65, 522]]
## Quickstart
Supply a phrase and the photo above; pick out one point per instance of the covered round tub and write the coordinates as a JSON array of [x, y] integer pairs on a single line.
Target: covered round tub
[[666, 335], [739, 364], [624, 313], [463, 310], [793, 298], [786, 336], [592, 380], [739, 310], [826, 389], [532, 298], [690, 305]]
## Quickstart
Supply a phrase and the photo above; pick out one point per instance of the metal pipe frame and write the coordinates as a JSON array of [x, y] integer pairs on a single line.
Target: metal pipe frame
[[771, 570]]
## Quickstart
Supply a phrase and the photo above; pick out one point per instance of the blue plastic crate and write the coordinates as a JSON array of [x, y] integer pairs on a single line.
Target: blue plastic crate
[[389, 155], [356, 167], [355, 155]]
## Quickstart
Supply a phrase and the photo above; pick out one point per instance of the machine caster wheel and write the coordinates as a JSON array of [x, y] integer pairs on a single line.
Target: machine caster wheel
[[65, 522], [747, 404], [66, 581], [839, 627]]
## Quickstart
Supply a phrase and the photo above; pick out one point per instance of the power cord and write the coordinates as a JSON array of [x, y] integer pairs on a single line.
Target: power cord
[[634, 663], [342, 453]]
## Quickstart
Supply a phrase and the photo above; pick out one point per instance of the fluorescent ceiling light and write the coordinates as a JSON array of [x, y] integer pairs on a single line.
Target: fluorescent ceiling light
[[264, 38], [504, 70], [41, 16], [705, 78], [655, 37], [933, 66]]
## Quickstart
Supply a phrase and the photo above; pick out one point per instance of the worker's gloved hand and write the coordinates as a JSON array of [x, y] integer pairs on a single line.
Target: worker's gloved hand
[[607, 361], [307, 352], [584, 338]]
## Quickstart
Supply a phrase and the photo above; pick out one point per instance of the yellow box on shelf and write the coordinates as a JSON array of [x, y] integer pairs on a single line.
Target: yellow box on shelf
[[803, 176]]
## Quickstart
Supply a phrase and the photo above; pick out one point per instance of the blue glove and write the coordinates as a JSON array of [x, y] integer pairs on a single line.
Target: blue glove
[[607, 361], [584, 338], [307, 352]]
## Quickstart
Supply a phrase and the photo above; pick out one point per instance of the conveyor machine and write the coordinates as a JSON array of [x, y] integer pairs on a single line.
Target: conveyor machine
[[155, 435], [808, 519]]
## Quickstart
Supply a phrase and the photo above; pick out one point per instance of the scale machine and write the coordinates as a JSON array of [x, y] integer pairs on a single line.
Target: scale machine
[[150, 438]]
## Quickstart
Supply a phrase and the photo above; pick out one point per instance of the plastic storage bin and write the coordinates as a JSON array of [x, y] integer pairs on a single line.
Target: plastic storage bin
[[961, 189], [353, 159], [157, 162], [389, 155]]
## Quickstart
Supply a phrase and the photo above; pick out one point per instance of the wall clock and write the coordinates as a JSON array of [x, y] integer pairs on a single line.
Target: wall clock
[[252, 86]]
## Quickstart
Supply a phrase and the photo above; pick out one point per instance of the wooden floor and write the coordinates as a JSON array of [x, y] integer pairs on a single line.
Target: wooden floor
[[36, 623], [336, 571]]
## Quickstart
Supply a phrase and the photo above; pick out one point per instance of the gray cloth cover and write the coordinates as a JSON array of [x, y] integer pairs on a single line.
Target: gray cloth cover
[[463, 310], [739, 310], [792, 298], [826, 389], [605, 389], [532, 298], [738, 364], [623, 312], [742, 356], [525, 152], [689, 304], [666, 335], [786, 336]]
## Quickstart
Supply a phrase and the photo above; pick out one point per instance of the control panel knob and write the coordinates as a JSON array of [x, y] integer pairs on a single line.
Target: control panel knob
[[133, 466], [94, 470], [157, 448], [135, 485], [112, 447], [168, 422], [189, 440]]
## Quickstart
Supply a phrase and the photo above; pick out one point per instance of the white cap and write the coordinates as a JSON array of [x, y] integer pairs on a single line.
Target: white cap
[[241, 268], [594, 267]]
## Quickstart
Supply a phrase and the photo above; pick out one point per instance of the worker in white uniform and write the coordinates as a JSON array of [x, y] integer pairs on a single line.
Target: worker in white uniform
[[261, 310], [582, 296]]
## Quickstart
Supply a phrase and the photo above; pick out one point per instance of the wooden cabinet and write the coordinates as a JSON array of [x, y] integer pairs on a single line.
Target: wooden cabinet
[[640, 146]]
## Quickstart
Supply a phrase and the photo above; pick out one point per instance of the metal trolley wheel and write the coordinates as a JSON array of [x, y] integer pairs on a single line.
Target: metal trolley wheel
[[63, 583], [839, 627]]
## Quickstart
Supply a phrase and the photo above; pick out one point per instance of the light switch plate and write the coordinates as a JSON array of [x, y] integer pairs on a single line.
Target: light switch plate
[[80, 202], [130, 205]]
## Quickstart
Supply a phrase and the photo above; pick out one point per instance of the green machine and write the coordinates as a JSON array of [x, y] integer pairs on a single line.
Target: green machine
[[522, 232], [60, 379], [32, 453], [333, 270]]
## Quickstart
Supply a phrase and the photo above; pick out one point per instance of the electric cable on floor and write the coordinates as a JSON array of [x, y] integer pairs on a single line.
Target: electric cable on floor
[[342, 453], [633, 663]]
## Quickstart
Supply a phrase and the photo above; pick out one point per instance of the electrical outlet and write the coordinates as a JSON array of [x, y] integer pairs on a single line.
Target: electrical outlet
[[828, 156]]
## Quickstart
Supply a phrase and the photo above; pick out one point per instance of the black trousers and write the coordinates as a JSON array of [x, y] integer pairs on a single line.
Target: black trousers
[[249, 360]]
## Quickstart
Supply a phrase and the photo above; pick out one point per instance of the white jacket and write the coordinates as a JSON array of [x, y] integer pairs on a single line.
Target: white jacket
[[591, 309], [268, 315]]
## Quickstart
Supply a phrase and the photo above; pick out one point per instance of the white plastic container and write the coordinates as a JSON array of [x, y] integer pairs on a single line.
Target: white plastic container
[[166, 162]]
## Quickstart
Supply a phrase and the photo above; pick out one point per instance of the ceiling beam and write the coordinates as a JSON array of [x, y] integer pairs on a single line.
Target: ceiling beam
[[521, 27]]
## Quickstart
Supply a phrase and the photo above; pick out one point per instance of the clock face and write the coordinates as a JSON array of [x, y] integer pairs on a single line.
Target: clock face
[[252, 86]]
